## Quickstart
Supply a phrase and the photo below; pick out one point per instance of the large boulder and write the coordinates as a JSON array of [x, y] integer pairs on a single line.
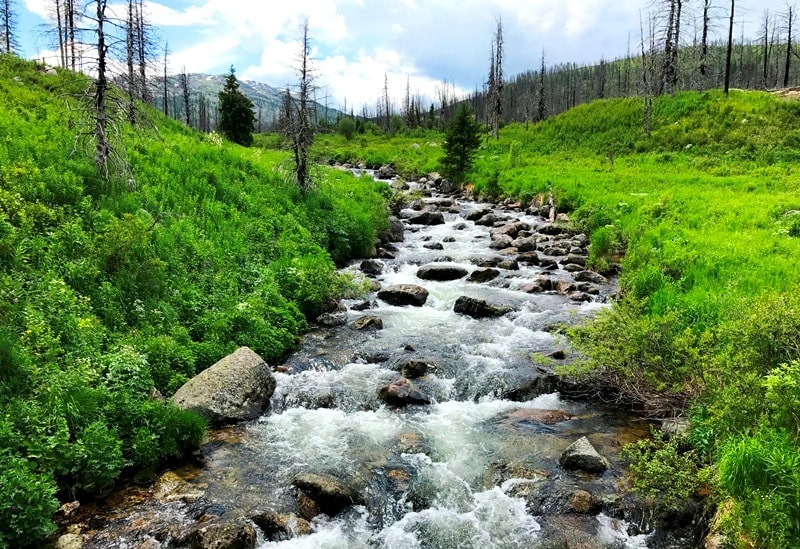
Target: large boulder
[[402, 393], [330, 495], [404, 294], [582, 455], [512, 229], [478, 308], [437, 271], [427, 218], [237, 388]]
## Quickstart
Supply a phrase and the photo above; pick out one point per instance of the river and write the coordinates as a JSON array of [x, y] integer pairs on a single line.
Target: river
[[476, 466]]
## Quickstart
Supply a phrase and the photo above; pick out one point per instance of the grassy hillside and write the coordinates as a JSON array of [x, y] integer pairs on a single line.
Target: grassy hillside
[[108, 291], [705, 213]]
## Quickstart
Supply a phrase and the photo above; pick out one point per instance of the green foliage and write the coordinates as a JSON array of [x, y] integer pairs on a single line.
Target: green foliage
[[762, 472], [236, 116], [346, 127], [461, 143], [105, 297], [661, 472], [27, 503]]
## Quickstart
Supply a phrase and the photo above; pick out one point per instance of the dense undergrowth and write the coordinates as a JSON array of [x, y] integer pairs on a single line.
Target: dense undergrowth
[[705, 213], [111, 290]]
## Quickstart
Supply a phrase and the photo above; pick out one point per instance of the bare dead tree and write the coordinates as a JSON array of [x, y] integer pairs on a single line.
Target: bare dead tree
[[385, 104], [789, 23], [767, 47], [540, 105], [183, 82], [496, 82], [648, 76], [729, 50], [166, 80], [7, 25], [296, 126]]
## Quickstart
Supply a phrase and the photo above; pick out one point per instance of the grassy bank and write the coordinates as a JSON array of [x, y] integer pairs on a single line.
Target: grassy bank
[[706, 210], [111, 290]]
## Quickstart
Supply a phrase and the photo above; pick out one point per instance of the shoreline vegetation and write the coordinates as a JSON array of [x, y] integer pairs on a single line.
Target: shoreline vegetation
[[107, 294]]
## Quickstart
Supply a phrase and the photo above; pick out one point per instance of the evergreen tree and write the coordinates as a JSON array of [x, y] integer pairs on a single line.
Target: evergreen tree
[[236, 116], [462, 140]]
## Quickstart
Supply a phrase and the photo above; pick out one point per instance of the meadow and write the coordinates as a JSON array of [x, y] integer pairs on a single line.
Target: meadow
[[113, 291]]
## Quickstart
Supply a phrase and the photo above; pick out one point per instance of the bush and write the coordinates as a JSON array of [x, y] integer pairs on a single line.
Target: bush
[[98, 458], [663, 474], [27, 503]]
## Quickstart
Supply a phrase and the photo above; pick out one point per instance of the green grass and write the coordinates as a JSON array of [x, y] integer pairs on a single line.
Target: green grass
[[704, 209], [111, 289]]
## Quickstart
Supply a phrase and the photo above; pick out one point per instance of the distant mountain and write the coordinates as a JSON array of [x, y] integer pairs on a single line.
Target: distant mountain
[[266, 99]]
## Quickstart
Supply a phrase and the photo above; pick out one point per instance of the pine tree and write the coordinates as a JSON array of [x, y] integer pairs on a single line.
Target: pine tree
[[236, 116], [462, 140]]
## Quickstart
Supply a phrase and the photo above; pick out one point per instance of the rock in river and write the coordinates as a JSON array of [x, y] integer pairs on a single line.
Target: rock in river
[[402, 393], [478, 308], [427, 218], [404, 294], [330, 494], [237, 388], [441, 272], [582, 455]]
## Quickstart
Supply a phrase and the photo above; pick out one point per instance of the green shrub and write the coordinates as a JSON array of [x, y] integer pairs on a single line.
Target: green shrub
[[27, 503], [97, 458], [661, 472]]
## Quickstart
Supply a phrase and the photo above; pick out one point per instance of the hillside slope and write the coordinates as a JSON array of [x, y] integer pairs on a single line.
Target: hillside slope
[[108, 291]]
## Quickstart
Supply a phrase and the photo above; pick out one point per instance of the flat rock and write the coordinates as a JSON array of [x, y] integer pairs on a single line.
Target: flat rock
[[237, 388], [537, 415], [582, 455], [441, 272], [404, 294]]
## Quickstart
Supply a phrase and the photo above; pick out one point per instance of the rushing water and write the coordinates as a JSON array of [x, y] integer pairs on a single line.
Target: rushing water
[[467, 470]]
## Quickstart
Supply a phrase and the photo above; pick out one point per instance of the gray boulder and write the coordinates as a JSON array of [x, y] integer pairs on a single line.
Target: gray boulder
[[582, 455], [402, 393], [590, 276], [474, 215], [441, 272], [404, 294], [483, 275], [385, 172], [427, 218], [371, 267], [478, 308], [237, 388]]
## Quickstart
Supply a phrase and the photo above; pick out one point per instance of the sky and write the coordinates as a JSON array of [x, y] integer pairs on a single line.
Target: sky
[[422, 43]]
